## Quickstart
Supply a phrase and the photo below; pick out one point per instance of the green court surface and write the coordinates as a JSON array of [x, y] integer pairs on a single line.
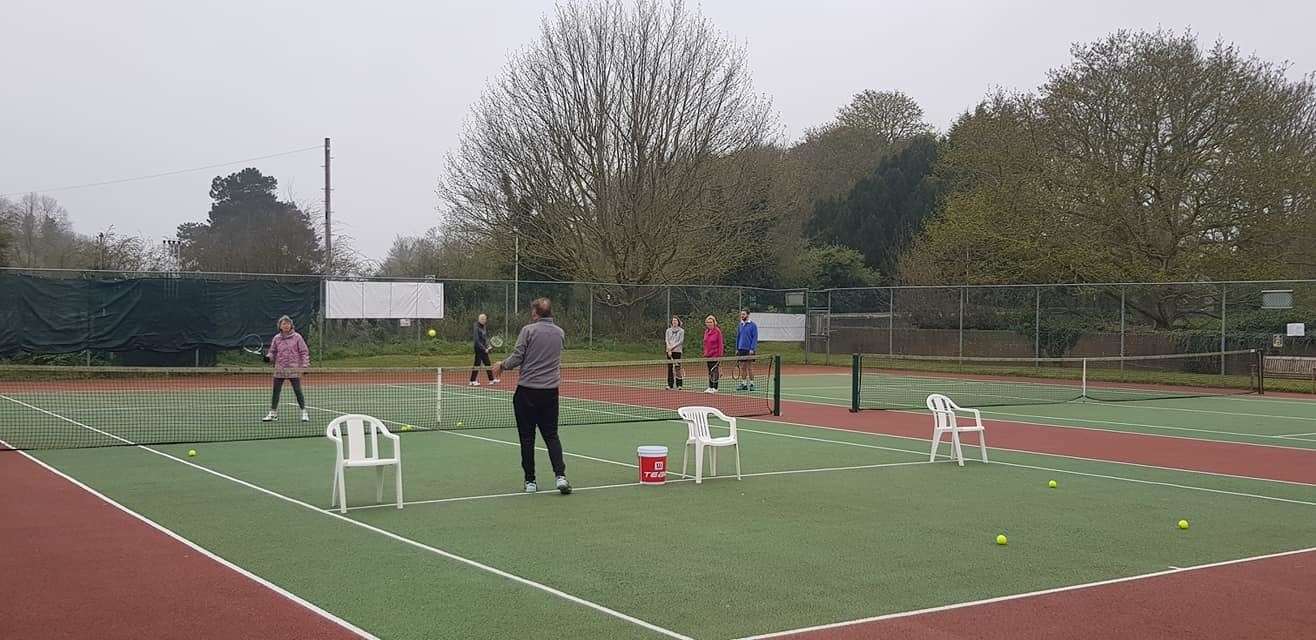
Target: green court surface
[[1284, 421], [826, 525]]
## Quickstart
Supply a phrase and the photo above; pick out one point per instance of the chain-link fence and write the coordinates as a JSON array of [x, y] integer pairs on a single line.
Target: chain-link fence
[[1040, 321], [1067, 320]]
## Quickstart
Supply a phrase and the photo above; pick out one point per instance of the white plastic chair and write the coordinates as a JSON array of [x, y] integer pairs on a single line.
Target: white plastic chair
[[945, 420], [358, 454], [696, 419]]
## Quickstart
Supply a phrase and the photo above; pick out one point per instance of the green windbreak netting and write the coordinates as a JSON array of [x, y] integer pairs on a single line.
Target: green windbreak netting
[[163, 314]]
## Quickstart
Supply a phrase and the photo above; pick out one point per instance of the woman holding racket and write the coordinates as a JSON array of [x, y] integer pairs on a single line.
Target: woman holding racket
[[290, 356], [674, 340], [712, 349]]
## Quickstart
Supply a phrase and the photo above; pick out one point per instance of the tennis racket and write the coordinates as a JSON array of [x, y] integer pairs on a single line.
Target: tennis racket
[[252, 343], [496, 342], [738, 371]]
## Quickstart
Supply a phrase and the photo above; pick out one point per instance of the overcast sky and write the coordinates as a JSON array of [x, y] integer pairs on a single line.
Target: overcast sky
[[97, 91]]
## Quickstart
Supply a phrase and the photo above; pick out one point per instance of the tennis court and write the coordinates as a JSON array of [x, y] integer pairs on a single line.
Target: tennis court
[[835, 519]]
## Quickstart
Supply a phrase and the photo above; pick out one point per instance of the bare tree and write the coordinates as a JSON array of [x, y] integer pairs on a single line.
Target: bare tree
[[620, 147], [890, 115]]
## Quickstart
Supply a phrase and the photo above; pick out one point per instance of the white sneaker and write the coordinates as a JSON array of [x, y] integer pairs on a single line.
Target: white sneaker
[[562, 485], [306, 417], [271, 416], [710, 390], [531, 487], [475, 383], [495, 381]]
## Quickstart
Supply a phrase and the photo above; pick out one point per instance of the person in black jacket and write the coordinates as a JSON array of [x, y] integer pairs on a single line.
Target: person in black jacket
[[482, 349]]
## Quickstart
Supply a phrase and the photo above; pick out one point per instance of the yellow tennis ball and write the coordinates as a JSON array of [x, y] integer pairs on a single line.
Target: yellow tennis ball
[[1000, 539], [1183, 524], [431, 333], [1051, 484], [406, 427], [459, 423], [191, 453]]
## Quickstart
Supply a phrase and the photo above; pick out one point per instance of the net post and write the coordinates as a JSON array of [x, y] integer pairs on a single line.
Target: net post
[[438, 395], [1085, 378], [855, 370], [776, 384], [1261, 371]]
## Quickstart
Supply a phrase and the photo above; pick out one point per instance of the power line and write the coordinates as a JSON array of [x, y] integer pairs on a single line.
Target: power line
[[158, 175]]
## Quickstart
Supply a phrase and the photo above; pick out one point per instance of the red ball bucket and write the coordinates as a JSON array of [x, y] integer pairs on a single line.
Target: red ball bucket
[[653, 465]]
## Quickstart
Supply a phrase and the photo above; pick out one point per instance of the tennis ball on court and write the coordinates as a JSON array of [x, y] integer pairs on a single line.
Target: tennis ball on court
[[406, 427], [459, 423], [1051, 484], [191, 453], [431, 333], [1000, 539], [1183, 524]]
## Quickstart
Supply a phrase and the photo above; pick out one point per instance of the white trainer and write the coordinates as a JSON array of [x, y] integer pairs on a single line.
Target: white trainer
[[306, 417], [270, 417], [495, 381], [710, 390], [475, 383], [531, 487]]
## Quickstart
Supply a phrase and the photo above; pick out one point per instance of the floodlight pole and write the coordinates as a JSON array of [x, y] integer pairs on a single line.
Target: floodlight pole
[[328, 226], [516, 268]]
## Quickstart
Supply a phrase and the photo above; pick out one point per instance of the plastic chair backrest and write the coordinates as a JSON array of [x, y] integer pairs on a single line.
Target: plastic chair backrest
[[697, 419], [356, 435], [943, 411]]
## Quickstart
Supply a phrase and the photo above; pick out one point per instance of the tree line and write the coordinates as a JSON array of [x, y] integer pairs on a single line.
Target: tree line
[[627, 144], [248, 229]]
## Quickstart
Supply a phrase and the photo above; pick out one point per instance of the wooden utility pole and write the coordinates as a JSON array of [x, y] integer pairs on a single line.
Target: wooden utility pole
[[328, 224]]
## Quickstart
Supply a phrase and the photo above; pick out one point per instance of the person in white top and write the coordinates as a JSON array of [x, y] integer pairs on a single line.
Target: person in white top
[[674, 340]]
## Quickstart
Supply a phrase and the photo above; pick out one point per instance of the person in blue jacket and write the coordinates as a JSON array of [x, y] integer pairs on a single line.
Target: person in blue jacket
[[747, 343]]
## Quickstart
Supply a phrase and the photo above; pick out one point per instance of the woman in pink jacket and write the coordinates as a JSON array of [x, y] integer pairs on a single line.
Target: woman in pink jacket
[[713, 346], [290, 356]]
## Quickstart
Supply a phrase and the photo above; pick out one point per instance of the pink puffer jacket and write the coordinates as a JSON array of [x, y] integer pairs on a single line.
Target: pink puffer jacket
[[288, 351]]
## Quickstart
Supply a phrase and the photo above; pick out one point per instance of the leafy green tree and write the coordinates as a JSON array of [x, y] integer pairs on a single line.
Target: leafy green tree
[[1147, 158], [890, 115], [886, 209], [250, 230], [830, 266]]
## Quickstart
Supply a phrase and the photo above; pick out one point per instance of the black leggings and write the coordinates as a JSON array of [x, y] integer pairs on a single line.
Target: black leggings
[[714, 373], [481, 360], [296, 389], [675, 376]]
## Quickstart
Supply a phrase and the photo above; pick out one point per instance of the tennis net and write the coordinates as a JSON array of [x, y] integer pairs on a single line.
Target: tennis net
[[74, 407], [901, 382], [605, 392]]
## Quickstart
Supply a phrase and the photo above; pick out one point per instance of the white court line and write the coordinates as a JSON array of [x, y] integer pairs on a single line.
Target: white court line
[[1054, 455], [1108, 477], [636, 484], [989, 411], [389, 534], [1020, 596], [1050, 455], [200, 549], [1297, 435]]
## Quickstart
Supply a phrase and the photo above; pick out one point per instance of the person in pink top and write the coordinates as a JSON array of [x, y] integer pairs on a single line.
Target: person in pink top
[[713, 346], [290, 356]]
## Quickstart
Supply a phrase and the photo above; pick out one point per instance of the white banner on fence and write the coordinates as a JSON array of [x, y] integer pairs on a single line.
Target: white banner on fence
[[779, 327], [348, 299]]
